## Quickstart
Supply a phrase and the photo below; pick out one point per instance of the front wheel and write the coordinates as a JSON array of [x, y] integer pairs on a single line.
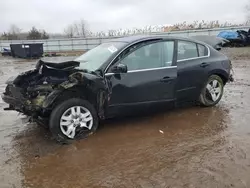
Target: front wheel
[[212, 92], [73, 119]]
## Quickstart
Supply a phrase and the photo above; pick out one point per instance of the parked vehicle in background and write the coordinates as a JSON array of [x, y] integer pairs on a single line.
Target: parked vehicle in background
[[120, 76], [6, 52], [237, 38]]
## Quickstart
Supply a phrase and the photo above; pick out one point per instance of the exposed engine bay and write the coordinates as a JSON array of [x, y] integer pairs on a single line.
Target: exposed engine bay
[[34, 92]]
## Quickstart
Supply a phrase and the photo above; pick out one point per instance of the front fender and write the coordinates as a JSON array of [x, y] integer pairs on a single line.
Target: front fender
[[90, 87]]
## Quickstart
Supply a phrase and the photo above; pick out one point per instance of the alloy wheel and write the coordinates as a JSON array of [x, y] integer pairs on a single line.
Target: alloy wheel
[[214, 90], [75, 120]]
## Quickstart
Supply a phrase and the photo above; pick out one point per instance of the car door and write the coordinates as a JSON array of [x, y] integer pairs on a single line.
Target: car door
[[192, 64], [150, 78]]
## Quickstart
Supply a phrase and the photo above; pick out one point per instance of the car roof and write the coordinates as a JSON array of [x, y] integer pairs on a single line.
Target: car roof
[[138, 38]]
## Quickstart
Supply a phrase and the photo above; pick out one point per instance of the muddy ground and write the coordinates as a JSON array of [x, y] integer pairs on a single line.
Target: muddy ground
[[189, 147]]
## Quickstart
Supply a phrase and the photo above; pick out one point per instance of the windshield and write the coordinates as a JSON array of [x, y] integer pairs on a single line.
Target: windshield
[[94, 58]]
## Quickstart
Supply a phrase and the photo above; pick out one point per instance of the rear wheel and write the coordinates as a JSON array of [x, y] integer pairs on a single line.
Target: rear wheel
[[212, 92], [73, 119]]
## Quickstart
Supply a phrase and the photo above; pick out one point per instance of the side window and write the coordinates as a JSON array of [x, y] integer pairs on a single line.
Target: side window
[[150, 56], [187, 50], [202, 50]]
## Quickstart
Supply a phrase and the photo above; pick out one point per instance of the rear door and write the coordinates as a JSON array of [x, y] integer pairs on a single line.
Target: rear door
[[192, 65], [150, 79]]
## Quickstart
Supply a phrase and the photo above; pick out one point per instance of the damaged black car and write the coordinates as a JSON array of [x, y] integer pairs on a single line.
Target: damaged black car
[[118, 77]]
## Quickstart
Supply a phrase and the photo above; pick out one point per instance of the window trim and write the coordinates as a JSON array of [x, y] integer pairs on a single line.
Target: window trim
[[142, 70], [194, 58], [130, 45], [141, 41], [147, 43], [142, 46]]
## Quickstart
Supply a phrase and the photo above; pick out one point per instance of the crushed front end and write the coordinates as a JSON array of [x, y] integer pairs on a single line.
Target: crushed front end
[[36, 92], [32, 92]]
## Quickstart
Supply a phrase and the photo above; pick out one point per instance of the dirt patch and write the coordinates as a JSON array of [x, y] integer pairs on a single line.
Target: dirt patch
[[189, 147], [237, 53]]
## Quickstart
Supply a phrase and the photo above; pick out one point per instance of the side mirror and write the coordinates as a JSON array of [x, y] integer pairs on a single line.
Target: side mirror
[[120, 68]]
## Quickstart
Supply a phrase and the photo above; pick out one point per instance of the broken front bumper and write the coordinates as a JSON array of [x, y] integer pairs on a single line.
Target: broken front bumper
[[17, 102], [41, 105], [20, 105], [12, 102]]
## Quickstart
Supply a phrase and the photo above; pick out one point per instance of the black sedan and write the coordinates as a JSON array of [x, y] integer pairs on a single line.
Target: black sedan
[[117, 77]]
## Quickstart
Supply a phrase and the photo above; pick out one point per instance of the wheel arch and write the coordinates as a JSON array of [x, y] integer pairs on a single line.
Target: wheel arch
[[75, 92], [222, 74], [81, 85], [97, 97]]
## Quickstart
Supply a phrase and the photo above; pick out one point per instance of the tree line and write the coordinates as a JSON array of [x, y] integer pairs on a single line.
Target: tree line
[[15, 33], [80, 29]]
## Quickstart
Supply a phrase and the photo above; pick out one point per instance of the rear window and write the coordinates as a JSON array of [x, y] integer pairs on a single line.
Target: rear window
[[187, 50], [202, 50]]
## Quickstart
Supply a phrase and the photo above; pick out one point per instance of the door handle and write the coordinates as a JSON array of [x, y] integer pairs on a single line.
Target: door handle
[[204, 65], [166, 79]]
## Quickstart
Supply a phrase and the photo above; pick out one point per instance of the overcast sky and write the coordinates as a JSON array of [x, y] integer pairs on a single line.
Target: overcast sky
[[55, 15]]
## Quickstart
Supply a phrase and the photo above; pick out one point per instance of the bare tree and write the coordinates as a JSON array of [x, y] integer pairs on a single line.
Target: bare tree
[[247, 8], [78, 28], [69, 31], [14, 30], [12, 34], [83, 30]]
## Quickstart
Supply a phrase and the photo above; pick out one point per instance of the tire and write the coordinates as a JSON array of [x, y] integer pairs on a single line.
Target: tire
[[206, 98], [57, 118]]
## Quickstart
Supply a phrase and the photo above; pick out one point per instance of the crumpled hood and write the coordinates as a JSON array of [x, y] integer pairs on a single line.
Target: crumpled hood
[[46, 72], [67, 65]]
